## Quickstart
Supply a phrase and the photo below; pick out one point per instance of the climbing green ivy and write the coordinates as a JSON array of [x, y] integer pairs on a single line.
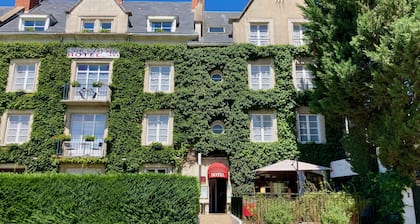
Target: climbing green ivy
[[197, 102]]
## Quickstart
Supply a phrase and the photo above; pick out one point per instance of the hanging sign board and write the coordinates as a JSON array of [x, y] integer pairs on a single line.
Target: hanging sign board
[[92, 53]]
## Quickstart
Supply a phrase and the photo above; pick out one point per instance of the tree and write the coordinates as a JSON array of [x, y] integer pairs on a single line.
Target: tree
[[367, 70]]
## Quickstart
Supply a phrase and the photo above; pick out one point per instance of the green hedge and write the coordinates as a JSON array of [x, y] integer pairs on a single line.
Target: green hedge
[[117, 198]]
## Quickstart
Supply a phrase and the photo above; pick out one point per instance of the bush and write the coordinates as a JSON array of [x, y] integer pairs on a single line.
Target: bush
[[279, 211], [118, 198]]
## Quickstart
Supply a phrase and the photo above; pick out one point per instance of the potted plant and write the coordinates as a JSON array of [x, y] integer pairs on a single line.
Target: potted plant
[[97, 84], [62, 137], [75, 83], [90, 138], [157, 146], [105, 31]]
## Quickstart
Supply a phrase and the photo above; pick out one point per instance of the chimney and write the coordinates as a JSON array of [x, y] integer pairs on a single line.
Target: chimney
[[27, 4], [120, 1], [194, 4]]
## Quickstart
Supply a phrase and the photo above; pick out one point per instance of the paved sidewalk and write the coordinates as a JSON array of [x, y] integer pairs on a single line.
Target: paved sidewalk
[[215, 219]]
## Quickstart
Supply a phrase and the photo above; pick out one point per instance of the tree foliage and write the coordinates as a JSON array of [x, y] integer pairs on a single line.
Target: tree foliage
[[367, 70]]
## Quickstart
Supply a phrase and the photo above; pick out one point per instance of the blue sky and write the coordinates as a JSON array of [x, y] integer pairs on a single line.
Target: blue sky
[[210, 5], [7, 2]]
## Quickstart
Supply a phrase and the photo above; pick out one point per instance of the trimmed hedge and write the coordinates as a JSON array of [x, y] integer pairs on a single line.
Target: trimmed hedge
[[116, 198]]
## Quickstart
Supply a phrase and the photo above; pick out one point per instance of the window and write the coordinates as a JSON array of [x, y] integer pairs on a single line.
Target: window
[[30, 22], [310, 128], [217, 127], [259, 34], [157, 168], [82, 125], [87, 128], [161, 24], [96, 25], [303, 77], [91, 81], [263, 127], [297, 36], [159, 77], [216, 76], [88, 26], [16, 126], [261, 75], [216, 29], [23, 75], [106, 26], [83, 170], [157, 127]]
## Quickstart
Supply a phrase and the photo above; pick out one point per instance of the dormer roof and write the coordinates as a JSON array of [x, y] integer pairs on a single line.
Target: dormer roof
[[77, 4]]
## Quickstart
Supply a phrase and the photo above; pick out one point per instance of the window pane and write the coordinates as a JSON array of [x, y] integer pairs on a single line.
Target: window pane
[[17, 128], [159, 78], [216, 77], [157, 129], [216, 29]]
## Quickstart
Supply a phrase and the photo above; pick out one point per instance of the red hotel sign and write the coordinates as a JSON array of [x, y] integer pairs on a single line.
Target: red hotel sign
[[92, 53]]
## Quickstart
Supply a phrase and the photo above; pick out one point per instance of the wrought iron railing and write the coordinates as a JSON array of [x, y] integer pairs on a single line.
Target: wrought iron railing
[[86, 92], [81, 148]]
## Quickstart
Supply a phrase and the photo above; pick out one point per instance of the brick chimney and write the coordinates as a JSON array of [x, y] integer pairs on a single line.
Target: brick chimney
[[194, 4], [27, 4]]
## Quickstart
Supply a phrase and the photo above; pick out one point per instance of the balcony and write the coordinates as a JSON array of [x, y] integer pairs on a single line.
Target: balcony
[[81, 148], [86, 94]]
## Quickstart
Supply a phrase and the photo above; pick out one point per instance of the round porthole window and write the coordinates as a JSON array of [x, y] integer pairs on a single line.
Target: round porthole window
[[217, 127], [216, 76]]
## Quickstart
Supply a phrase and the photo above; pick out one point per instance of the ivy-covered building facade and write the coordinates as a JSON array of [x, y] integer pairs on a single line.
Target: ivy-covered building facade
[[95, 86]]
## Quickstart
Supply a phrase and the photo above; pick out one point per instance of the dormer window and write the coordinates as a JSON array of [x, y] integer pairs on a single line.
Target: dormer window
[[96, 25], [34, 22], [216, 29], [161, 24], [88, 26]]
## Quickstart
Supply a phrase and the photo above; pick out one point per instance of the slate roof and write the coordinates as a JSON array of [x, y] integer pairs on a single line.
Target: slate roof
[[141, 10], [217, 19], [56, 8], [4, 10]]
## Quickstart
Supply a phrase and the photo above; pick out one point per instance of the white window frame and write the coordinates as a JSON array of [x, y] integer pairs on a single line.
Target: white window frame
[[32, 17], [307, 78], [145, 127], [304, 111], [261, 115], [270, 31], [292, 23], [14, 64], [97, 24], [4, 129], [74, 71], [148, 76], [259, 63], [152, 19]]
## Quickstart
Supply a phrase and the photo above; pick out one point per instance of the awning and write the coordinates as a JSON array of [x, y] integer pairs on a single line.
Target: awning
[[218, 170], [291, 165]]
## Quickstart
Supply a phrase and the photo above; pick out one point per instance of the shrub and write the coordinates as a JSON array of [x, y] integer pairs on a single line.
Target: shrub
[[117, 198], [279, 211]]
